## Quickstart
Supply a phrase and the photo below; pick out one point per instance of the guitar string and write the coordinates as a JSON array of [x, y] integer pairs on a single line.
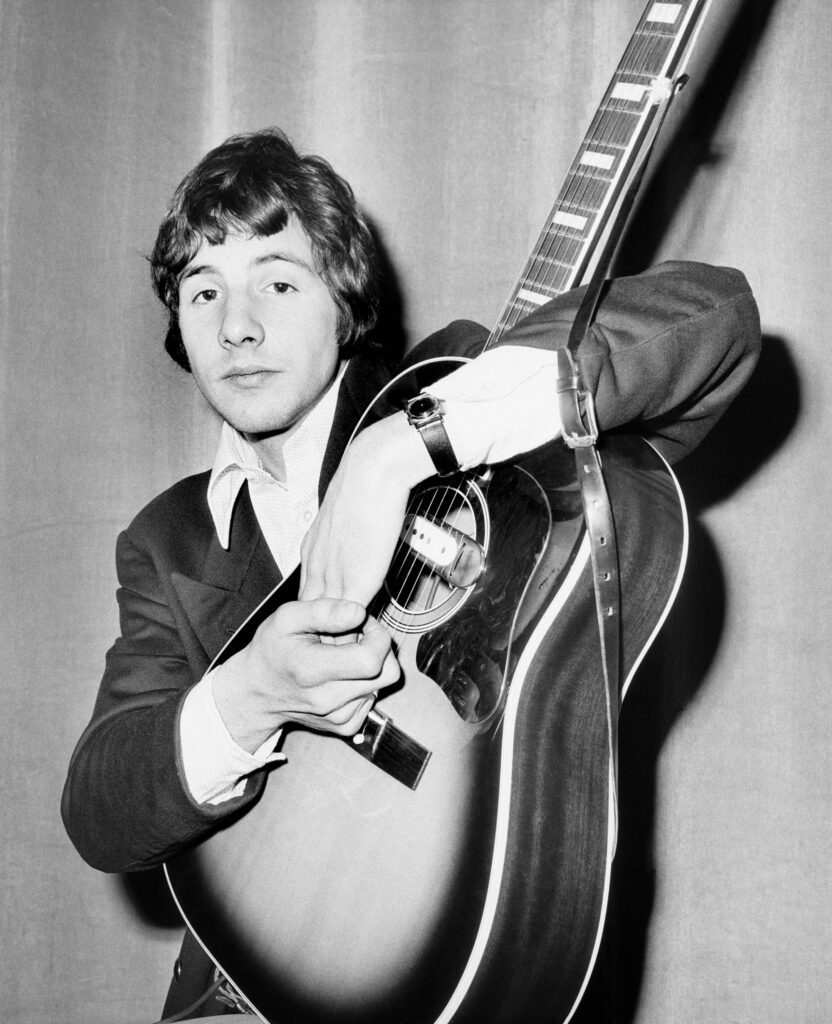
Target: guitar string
[[403, 591], [410, 583], [603, 125], [404, 561], [404, 558], [607, 128], [582, 190], [438, 515], [439, 511], [536, 273], [643, 49], [645, 55]]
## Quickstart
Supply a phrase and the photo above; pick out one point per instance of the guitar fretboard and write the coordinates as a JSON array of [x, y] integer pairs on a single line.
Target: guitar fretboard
[[643, 80]]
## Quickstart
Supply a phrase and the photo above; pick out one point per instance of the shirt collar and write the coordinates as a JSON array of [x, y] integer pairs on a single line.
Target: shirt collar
[[235, 461]]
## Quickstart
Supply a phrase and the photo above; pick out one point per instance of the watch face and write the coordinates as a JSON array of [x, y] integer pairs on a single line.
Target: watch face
[[421, 406]]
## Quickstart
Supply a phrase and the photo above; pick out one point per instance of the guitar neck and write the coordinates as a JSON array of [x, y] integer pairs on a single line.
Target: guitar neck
[[642, 82]]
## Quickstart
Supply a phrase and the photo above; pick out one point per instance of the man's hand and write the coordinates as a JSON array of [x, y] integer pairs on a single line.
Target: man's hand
[[321, 661], [348, 549], [500, 404], [296, 670]]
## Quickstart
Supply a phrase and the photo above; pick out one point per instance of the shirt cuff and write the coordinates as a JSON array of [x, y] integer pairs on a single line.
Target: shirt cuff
[[215, 767], [501, 404]]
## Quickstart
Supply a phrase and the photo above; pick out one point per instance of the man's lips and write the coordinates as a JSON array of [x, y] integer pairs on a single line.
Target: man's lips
[[248, 376]]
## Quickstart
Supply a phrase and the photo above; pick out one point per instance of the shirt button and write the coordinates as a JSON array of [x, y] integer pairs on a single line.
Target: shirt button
[[307, 516]]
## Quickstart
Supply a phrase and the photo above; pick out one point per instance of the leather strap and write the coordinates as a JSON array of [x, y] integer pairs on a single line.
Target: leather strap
[[439, 447], [425, 413], [580, 432]]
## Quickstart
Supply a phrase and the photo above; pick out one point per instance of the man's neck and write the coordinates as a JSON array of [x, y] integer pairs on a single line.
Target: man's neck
[[270, 448]]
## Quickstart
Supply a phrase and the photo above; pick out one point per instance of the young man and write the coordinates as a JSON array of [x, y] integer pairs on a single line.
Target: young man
[[268, 271]]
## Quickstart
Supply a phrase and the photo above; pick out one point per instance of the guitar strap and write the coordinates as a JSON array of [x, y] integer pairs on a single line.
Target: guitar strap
[[580, 433]]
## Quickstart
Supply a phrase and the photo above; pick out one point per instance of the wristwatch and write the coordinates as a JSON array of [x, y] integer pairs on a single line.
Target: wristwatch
[[425, 413]]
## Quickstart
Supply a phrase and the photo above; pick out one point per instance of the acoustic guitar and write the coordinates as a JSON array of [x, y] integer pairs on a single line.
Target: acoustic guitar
[[452, 862]]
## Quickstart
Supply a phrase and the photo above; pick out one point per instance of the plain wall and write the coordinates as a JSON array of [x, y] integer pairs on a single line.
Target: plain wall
[[455, 121]]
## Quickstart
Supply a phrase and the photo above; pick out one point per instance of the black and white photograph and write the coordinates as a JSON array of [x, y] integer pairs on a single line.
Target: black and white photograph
[[414, 560]]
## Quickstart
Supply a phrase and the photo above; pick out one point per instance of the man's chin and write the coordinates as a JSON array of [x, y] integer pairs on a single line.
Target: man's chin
[[256, 424], [263, 433]]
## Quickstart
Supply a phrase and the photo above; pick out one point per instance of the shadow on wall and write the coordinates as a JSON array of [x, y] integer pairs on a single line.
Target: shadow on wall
[[148, 894], [690, 145], [753, 428]]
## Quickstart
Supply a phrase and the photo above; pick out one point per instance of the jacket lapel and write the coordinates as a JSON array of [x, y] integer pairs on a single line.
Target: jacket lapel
[[364, 378], [233, 582]]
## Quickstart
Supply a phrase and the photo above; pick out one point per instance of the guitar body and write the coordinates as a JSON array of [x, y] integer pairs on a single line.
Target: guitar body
[[453, 864], [344, 895]]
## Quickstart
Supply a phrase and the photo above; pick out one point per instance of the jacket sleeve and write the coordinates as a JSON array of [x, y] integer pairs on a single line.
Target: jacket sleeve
[[667, 352], [125, 803]]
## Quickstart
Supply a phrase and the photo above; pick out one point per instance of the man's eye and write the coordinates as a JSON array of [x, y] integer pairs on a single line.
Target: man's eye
[[281, 287], [206, 295]]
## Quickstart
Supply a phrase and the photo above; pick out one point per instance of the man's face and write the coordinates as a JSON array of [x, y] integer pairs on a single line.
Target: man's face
[[259, 327]]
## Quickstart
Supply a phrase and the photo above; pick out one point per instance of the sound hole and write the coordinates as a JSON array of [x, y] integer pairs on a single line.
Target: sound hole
[[468, 656], [440, 555]]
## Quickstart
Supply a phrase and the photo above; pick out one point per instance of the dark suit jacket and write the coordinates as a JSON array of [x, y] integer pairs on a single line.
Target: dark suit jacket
[[667, 352]]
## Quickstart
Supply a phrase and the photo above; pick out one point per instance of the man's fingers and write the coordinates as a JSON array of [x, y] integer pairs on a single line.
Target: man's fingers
[[347, 721], [322, 663], [371, 661], [324, 615], [351, 674]]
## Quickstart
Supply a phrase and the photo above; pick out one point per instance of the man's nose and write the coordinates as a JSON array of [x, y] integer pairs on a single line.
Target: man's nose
[[240, 324]]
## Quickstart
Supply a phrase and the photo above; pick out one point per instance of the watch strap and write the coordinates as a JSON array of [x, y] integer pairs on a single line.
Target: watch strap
[[439, 446], [424, 412]]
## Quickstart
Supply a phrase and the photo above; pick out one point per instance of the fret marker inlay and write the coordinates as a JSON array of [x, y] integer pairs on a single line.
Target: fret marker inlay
[[629, 91], [666, 13], [592, 158], [647, 77], [534, 297], [570, 220]]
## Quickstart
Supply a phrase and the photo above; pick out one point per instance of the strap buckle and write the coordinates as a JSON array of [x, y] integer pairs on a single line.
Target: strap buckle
[[579, 424]]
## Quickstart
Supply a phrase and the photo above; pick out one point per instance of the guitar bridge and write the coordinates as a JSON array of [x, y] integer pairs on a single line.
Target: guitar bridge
[[392, 750], [452, 555]]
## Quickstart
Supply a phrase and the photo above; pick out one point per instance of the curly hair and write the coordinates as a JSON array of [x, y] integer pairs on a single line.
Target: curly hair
[[252, 184]]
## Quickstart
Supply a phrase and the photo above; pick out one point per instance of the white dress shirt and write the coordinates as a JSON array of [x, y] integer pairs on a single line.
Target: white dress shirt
[[214, 765]]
